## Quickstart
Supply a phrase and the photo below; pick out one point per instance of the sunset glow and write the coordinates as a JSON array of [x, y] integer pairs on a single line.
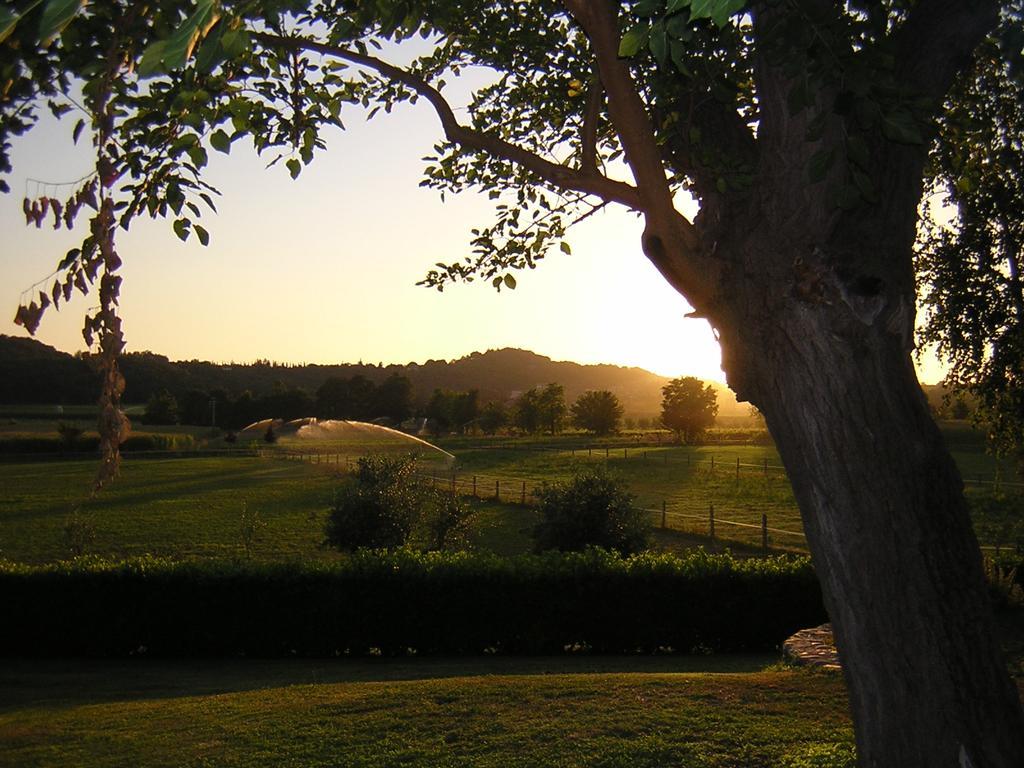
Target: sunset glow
[[324, 269]]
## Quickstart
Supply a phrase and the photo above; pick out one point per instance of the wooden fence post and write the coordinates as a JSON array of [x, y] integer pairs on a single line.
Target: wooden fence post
[[474, 486], [606, 453], [764, 532], [497, 490], [522, 498], [737, 467], [711, 521], [712, 462], [625, 453], [662, 514]]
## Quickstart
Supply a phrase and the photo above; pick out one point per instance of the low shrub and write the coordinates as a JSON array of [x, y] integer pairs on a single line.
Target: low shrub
[[378, 508], [592, 509], [389, 603], [446, 520]]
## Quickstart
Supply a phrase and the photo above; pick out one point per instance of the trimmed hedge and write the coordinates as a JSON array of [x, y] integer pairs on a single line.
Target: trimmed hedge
[[403, 602], [23, 443]]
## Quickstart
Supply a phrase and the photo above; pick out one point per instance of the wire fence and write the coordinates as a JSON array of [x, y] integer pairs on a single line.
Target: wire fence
[[685, 513], [732, 502]]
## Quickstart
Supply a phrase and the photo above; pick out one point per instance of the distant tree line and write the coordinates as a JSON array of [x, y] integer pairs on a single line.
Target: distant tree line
[[688, 407], [356, 398]]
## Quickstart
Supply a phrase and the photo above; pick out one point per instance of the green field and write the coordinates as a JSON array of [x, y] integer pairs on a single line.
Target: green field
[[173, 507], [648, 711], [184, 507]]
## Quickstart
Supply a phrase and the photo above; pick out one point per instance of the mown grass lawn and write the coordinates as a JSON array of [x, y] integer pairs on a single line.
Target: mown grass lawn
[[500, 712]]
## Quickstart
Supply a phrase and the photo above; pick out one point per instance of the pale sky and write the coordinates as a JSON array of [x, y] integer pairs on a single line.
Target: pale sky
[[323, 269]]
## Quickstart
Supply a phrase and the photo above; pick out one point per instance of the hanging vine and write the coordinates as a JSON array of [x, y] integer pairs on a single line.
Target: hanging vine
[[97, 258]]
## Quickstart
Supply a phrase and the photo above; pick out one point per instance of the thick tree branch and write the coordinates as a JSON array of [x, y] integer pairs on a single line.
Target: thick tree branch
[[670, 240], [469, 138], [937, 40], [627, 110]]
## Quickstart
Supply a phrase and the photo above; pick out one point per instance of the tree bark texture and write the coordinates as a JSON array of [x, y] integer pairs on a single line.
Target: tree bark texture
[[883, 509]]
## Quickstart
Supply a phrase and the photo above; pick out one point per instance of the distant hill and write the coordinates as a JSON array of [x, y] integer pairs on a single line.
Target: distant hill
[[32, 372]]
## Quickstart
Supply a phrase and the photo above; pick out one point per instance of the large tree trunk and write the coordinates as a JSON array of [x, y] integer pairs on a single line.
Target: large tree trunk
[[888, 527]]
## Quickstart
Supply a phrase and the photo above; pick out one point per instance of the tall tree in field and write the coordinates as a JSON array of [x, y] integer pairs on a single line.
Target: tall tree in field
[[393, 398], [597, 411], [970, 267], [526, 413], [552, 407], [493, 416], [688, 407], [801, 127]]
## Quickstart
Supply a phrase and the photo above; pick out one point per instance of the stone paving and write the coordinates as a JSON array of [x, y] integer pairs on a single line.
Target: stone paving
[[813, 647]]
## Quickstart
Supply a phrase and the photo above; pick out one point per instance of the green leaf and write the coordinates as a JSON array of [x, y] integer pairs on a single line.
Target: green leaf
[[857, 150], [678, 27], [819, 164], [864, 185], [718, 11], [565, 248], [634, 39], [173, 52], [816, 127], [152, 59], [211, 52], [8, 21], [901, 127], [867, 113], [202, 234], [181, 227], [57, 14], [236, 42], [679, 58], [846, 197], [721, 186], [676, 5], [294, 167], [510, 282], [77, 131], [198, 156], [646, 7], [720, 15], [220, 141], [658, 43]]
